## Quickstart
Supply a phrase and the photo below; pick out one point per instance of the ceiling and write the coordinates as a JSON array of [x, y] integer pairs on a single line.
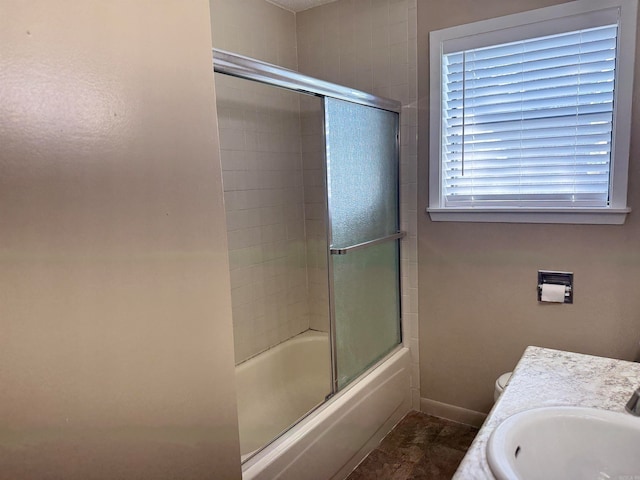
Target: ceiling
[[299, 5]]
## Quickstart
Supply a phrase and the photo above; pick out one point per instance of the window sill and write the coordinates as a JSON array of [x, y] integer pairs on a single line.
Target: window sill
[[588, 216]]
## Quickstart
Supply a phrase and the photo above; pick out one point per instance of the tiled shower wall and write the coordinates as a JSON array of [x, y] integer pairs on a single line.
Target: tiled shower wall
[[370, 45], [315, 207], [264, 202], [263, 181], [261, 141]]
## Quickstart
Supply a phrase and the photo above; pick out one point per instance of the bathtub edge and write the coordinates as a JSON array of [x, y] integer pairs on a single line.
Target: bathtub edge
[[332, 442]]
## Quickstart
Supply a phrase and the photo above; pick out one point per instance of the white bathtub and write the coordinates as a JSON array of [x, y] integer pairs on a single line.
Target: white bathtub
[[331, 441], [280, 386]]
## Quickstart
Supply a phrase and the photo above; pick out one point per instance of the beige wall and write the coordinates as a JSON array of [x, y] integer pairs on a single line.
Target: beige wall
[[116, 354], [370, 45], [478, 281]]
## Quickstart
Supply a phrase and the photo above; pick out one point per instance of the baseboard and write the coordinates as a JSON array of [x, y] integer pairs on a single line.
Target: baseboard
[[452, 412]]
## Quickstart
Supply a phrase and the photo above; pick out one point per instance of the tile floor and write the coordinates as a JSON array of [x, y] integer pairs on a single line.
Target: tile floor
[[420, 447]]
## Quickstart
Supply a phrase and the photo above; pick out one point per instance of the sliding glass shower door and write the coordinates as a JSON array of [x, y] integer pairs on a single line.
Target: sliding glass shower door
[[362, 182], [311, 196]]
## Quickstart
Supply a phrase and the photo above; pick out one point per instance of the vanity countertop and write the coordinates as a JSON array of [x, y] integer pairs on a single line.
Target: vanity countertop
[[546, 377]]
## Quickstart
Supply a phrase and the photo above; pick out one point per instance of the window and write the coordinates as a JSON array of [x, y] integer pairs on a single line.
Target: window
[[530, 115]]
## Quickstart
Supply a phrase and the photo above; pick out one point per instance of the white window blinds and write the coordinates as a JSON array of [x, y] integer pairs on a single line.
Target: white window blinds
[[529, 122]]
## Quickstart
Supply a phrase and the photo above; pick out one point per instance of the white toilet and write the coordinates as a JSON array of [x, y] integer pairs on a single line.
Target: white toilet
[[501, 383]]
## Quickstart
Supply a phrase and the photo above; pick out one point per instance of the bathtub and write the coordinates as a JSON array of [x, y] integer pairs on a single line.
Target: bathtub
[[338, 434], [279, 386]]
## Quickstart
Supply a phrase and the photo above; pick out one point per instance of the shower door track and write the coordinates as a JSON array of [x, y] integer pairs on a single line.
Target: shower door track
[[263, 72]]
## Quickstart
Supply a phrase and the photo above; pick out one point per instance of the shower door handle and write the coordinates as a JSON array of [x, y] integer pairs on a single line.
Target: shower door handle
[[370, 243]]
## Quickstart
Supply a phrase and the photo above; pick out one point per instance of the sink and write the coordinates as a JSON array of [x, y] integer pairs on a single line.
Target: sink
[[566, 443]]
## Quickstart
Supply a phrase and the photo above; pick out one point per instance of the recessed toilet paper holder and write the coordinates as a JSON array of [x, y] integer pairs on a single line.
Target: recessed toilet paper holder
[[556, 278]]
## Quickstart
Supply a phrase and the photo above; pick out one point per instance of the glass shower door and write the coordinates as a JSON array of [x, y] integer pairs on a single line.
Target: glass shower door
[[362, 182]]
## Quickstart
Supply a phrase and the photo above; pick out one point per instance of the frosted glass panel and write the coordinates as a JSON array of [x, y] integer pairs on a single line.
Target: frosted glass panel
[[367, 301], [362, 178], [362, 162]]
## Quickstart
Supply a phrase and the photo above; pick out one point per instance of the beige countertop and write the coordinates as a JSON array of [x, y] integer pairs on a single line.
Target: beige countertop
[[546, 377]]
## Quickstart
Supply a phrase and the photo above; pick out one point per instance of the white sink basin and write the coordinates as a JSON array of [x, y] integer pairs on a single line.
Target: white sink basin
[[566, 443]]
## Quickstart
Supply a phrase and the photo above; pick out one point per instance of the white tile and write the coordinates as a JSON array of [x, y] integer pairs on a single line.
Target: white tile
[[415, 376], [410, 326], [415, 353], [241, 295], [398, 32], [231, 139], [240, 276]]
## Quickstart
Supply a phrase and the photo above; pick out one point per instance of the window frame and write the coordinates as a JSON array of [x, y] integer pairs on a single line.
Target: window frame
[[531, 24]]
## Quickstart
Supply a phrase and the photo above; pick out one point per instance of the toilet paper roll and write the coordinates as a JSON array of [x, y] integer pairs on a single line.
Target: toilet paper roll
[[552, 293]]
